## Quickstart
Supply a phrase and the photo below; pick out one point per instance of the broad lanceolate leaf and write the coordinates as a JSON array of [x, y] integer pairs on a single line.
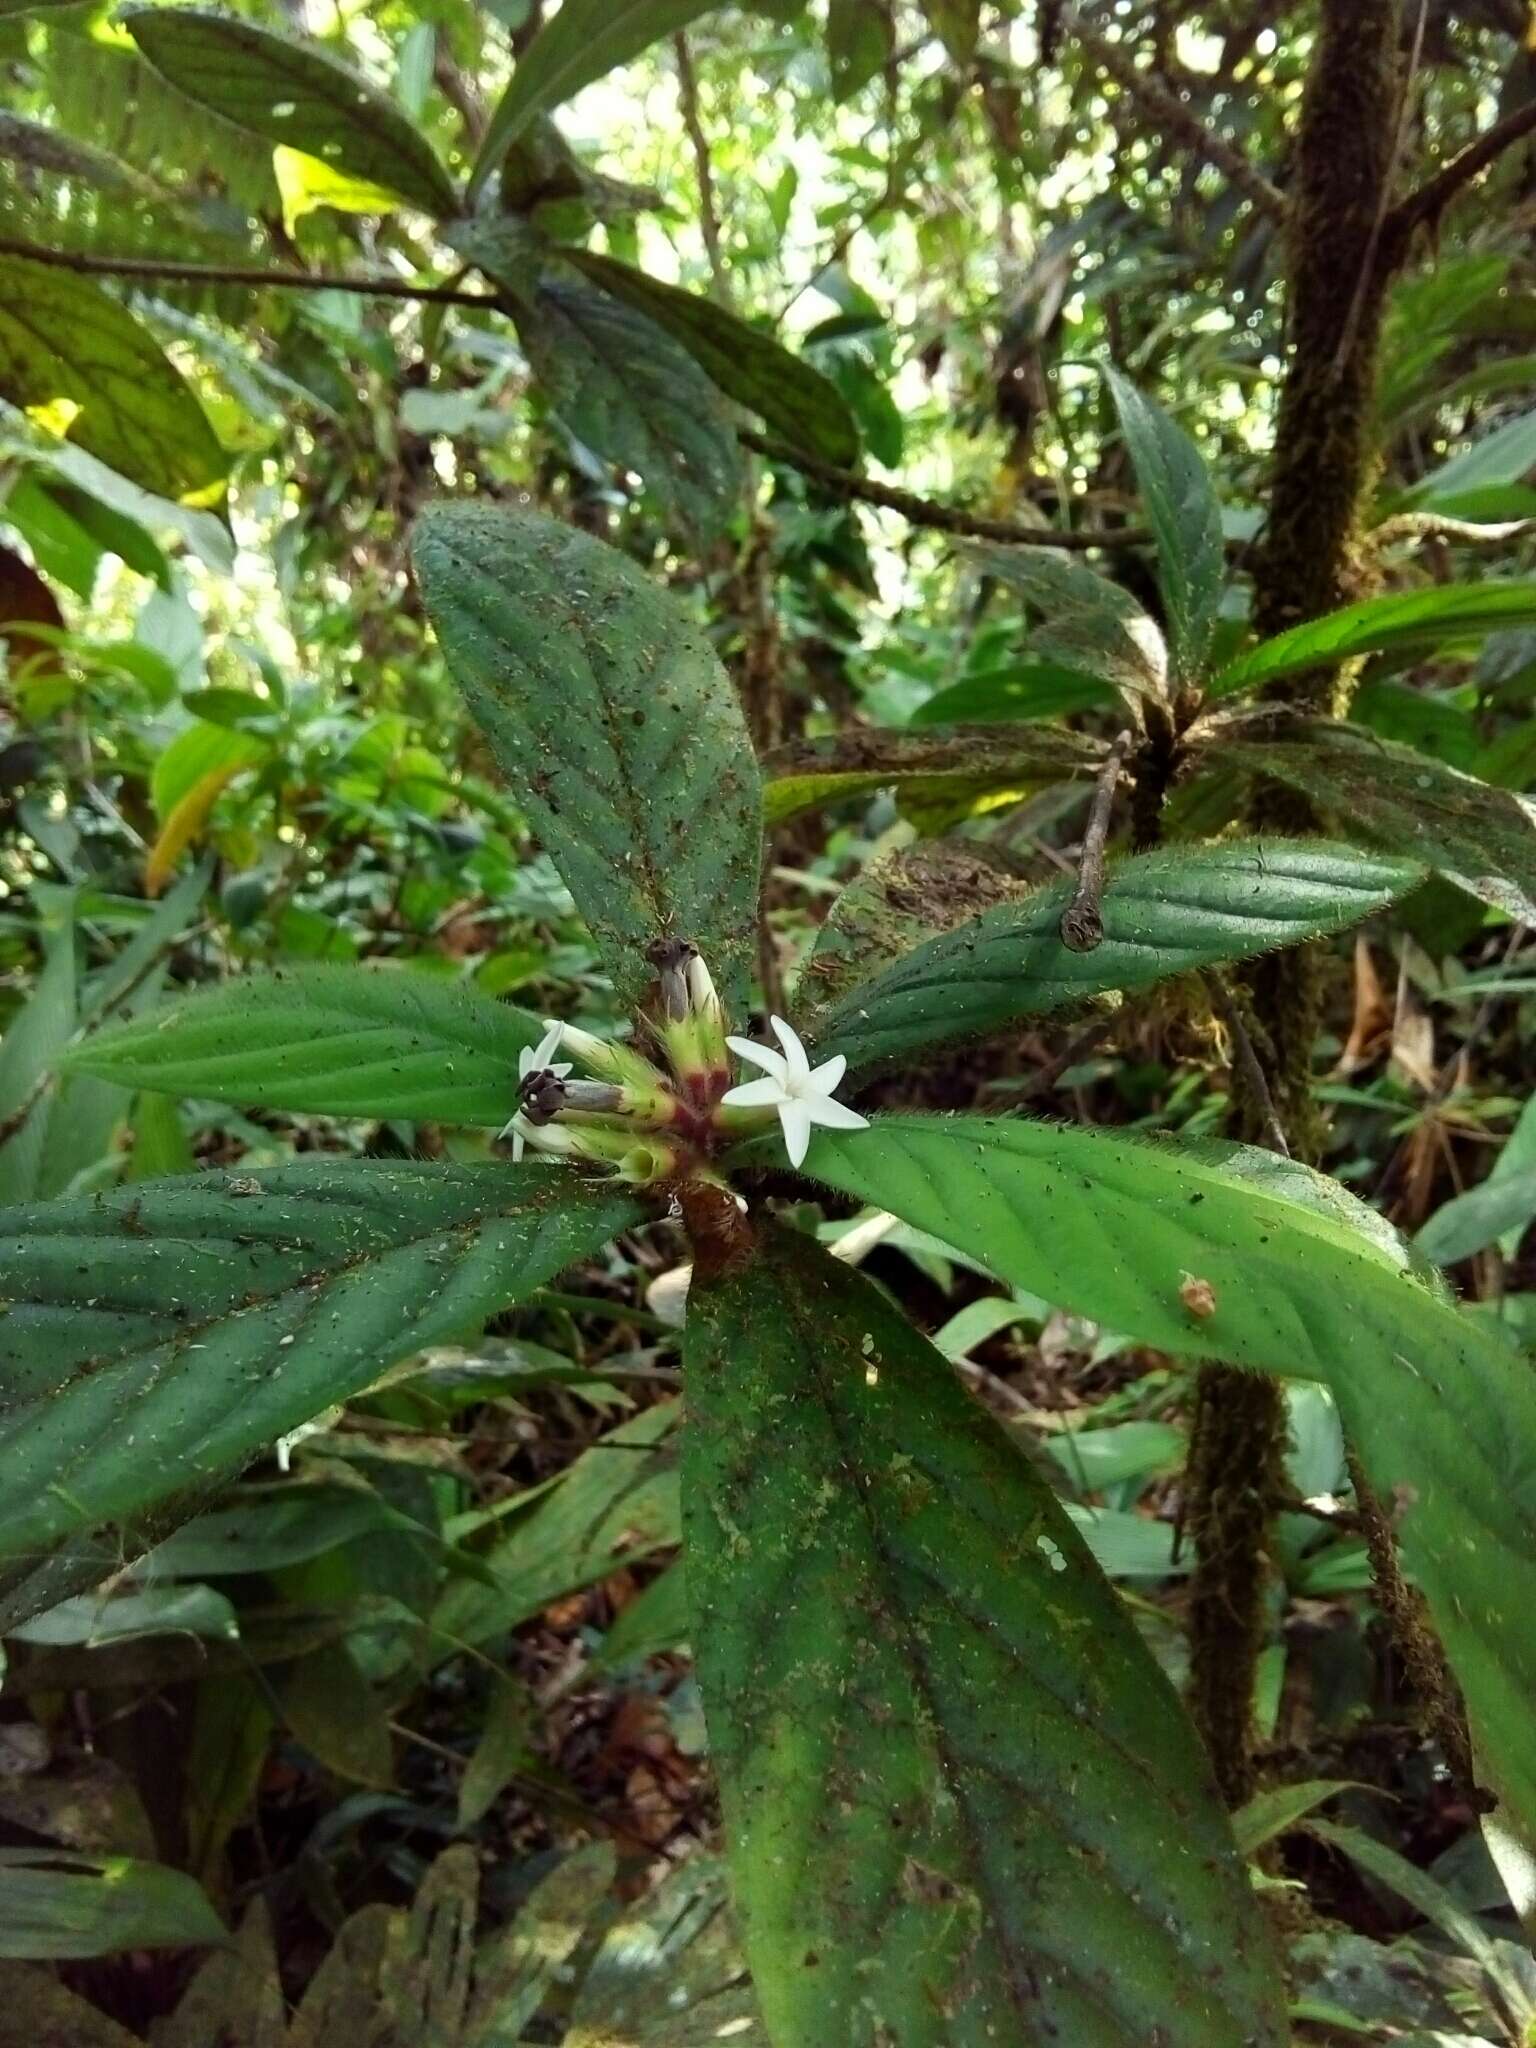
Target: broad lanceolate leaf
[[1452, 614], [962, 1802], [155, 1338], [585, 39], [1090, 624], [1181, 503], [1016, 689], [615, 725], [1307, 1284], [56, 1903], [1401, 801], [1164, 913], [634, 396], [946, 767], [82, 365], [746, 363], [330, 1041], [1471, 1221], [294, 93]]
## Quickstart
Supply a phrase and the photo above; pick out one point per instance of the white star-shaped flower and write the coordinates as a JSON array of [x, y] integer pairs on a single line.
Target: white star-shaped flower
[[802, 1094], [532, 1059]]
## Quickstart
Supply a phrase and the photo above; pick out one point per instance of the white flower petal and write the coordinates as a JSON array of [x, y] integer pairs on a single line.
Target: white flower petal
[[764, 1094], [795, 1061], [825, 1078], [760, 1056], [518, 1142], [549, 1044], [796, 1120], [837, 1116]]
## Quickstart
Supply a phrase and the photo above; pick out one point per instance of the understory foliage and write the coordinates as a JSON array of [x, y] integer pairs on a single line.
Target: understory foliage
[[765, 900]]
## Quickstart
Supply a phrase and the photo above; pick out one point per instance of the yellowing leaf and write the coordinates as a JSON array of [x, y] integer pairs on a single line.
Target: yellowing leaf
[[185, 822], [307, 183]]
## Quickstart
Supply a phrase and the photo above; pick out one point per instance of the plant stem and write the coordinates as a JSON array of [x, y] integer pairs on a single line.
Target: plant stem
[[1082, 922], [152, 267]]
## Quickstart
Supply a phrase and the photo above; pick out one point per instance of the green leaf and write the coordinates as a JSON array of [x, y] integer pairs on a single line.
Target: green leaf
[[1382, 795], [327, 1041], [927, 1706], [1272, 1813], [861, 39], [1505, 456], [630, 392], [1033, 689], [1449, 615], [505, 1747], [293, 93], [1308, 1284], [1091, 626], [1181, 504], [155, 1338], [746, 363], [617, 1503], [616, 726], [1165, 913], [586, 39], [923, 766], [958, 24], [81, 365], [1469, 1222], [55, 1903]]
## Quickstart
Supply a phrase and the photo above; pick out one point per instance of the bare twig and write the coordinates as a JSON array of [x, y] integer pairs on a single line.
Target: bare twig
[[709, 212], [209, 273], [1423, 208], [954, 519], [1082, 922], [1167, 111], [1248, 1064]]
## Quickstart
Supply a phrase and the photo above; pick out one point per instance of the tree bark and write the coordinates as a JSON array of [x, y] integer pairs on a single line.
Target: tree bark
[[1311, 561]]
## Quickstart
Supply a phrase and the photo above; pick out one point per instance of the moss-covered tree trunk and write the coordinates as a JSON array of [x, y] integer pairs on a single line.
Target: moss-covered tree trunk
[[1311, 561]]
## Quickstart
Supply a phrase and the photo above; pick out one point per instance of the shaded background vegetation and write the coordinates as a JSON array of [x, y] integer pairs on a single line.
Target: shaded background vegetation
[[453, 1615]]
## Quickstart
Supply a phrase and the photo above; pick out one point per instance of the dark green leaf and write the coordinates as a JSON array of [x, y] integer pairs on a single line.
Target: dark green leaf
[[294, 93], [1449, 615], [1091, 626], [1181, 504], [79, 360], [616, 726], [926, 1704], [923, 766], [335, 1713], [633, 395], [56, 1903], [1481, 838], [155, 1338], [1164, 913], [1014, 690], [586, 39], [1308, 1284], [1470, 1222], [958, 23], [329, 1041], [746, 363], [861, 38], [1272, 1813]]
